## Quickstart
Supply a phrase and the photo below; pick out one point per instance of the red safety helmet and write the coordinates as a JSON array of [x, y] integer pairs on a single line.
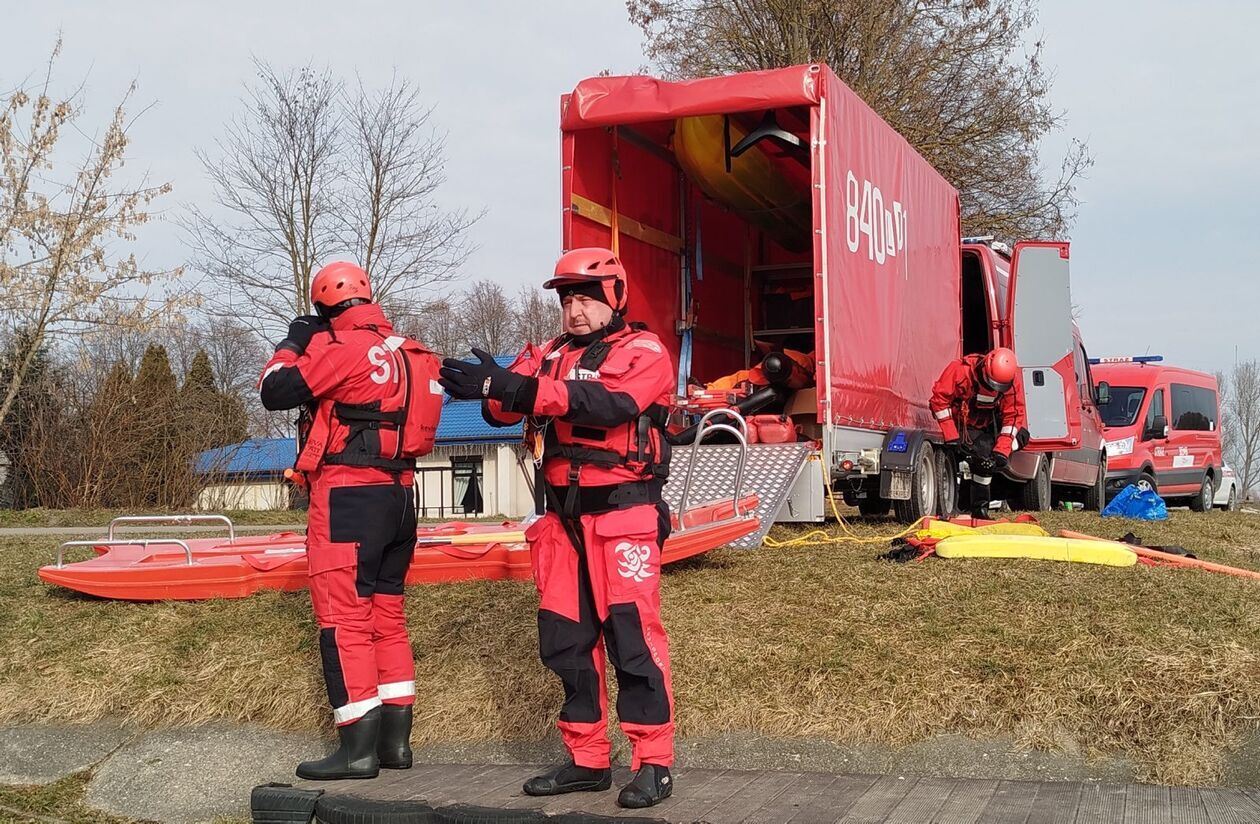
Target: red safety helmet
[[592, 264], [998, 369], [339, 282]]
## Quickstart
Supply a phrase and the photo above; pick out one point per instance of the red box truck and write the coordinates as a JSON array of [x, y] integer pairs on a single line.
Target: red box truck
[[775, 209]]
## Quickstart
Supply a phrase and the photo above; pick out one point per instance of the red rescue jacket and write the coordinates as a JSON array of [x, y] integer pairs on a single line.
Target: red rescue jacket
[[960, 402], [372, 395], [602, 407]]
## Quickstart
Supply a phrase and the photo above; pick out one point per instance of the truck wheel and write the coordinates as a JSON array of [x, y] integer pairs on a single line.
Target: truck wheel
[[1203, 501], [946, 484], [1035, 494], [1096, 495], [922, 500], [873, 506]]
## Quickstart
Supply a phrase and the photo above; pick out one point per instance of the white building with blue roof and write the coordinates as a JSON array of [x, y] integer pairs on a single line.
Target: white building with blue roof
[[475, 470]]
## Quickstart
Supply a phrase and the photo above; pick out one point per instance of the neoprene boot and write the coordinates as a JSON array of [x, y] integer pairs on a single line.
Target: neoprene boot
[[651, 785], [569, 778], [355, 758], [394, 748]]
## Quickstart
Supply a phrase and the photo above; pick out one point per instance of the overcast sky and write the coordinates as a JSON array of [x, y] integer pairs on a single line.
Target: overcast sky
[[1167, 93]]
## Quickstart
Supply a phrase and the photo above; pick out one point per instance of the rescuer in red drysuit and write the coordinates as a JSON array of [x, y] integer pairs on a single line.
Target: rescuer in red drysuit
[[596, 396], [978, 403], [371, 408]]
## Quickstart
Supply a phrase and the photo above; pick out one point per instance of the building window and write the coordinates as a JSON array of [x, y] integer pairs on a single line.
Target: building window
[[467, 482]]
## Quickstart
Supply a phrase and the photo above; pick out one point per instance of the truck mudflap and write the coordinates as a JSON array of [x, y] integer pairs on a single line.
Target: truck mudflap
[[770, 471], [897, 463]]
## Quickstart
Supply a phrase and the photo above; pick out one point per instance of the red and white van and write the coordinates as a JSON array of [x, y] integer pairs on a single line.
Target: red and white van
[[1162, 429]]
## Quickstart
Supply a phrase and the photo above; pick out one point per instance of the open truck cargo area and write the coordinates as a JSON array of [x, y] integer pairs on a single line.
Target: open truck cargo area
[[775, 211]]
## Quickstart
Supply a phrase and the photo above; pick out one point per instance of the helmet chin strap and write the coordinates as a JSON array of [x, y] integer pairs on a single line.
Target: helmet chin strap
[[330, 312]]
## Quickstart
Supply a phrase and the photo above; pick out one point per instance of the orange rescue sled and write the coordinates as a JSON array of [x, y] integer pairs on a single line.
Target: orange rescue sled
[[196, 569]]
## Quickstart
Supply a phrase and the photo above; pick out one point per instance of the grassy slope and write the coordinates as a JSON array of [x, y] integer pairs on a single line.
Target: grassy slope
[[1163, 665]]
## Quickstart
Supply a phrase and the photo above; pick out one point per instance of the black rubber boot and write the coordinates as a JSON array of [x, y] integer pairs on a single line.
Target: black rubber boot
[[569, 778], [355, 758], [394, 749], [651, 785]]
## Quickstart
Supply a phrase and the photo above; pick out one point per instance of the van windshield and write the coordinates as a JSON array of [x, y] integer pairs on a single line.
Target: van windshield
[[1123, 407]]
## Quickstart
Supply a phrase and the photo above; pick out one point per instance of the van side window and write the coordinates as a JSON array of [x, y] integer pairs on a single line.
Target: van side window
[[1081, 366], [1193, 408], [1157, 409]]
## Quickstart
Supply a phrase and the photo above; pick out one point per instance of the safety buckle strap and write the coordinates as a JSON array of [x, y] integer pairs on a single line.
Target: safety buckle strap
[[355, 413], [593, 500], [586, 454], [571, 507], [376, 462]]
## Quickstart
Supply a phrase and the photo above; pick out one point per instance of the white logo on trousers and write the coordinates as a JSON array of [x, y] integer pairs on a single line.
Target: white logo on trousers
[[633, 562]]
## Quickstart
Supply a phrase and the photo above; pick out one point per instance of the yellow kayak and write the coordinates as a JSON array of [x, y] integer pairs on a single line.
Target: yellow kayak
[[946, 529], [753, 187], [1035, 547]]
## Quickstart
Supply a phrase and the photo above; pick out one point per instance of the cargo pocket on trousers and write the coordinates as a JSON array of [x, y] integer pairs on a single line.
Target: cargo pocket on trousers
[[628, 541], [542, 541]]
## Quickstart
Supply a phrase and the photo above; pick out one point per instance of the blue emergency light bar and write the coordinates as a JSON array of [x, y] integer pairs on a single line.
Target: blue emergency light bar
[[1133, 359]]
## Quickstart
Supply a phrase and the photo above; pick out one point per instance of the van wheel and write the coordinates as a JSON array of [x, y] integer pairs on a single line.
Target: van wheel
[[1146, 481], [922, 500], [1035, 494], [1203, 501], [946, 484], [1096, 495]]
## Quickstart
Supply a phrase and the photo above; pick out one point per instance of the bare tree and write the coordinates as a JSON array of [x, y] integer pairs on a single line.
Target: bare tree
[[275, 176], [1240, 407], [488, 317], [309, 173], [391, 222], [947, 74], [60, 268], [439, 325], [537, 316]]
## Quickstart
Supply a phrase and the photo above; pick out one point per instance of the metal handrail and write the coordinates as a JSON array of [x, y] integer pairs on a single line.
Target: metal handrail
[[61, 550], [741, 435], [132, 520]]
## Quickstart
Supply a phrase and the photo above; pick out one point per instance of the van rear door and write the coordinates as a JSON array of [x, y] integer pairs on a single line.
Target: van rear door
[[1039, 316]]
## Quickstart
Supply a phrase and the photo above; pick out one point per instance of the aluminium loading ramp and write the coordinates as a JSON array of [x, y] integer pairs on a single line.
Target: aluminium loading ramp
[[770, 471]]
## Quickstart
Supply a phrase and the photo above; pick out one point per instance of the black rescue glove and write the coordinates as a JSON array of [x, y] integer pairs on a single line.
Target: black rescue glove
[[999, 461], [301, 330], [467, 380]]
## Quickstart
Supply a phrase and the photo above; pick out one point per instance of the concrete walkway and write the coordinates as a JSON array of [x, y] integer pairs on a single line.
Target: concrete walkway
[[187, 776], [493, 794]]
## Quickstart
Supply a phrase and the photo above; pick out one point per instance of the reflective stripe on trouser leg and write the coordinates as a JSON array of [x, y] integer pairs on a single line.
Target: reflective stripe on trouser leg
[[569, 643], [625, 577], [395, 664]]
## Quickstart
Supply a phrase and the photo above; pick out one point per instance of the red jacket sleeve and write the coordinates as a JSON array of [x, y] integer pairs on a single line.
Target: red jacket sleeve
[[944, 392], [290, 380], [1014, 417]]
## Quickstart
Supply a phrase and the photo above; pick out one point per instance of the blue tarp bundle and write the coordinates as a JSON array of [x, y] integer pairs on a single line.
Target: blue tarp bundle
[[1144, 504]]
